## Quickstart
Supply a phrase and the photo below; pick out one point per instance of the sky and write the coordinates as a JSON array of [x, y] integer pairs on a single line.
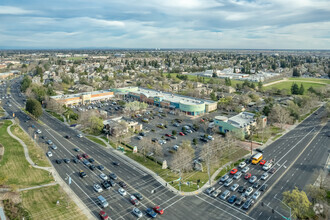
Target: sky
[[216, 24]]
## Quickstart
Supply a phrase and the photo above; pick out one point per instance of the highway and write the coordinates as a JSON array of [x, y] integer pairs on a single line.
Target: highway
[[298, 154]]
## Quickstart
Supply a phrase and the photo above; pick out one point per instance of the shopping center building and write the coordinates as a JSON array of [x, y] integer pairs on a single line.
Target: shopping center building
[[191, 106]]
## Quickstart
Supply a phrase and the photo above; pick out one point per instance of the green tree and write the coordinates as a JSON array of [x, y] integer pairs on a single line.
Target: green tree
[[96, 124], [266, 110], [298, 202], [301, 89], [260, 85], [34, 107], [174, 132], [26, 82], [295, 72], [213, 96], [295, 89], [72, 69]]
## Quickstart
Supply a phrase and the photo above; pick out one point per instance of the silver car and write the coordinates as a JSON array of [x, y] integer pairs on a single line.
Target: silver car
[[137, 212], [248, 191], [234, 187], [210, 190], [97, 187], [225, 195], [245, 169], [228, 182], [252, 179], [256, 195], [237, 175], [264, 176]]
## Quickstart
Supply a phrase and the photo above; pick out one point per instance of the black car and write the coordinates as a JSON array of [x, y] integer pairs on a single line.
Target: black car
[[142, 134], [105, 185], [58, 161], [92, 167], [168, 139], [100, 167], [43, 137], [256, 185], [122, 184], [241, 189], [264, 187], [173, 137], [248, 160], [91, 160], [239, 201], [67, 136], [154, 140], [76, 149], [82, 174], [116, 163], [111, 182], [113, 176], [66, 160], [259, 150], [75, 160], [203, 139], [138, 196]]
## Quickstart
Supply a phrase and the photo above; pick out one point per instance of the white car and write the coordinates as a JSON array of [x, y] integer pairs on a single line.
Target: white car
[[234, 187], [264, 176], [256, 195], [139, 137], [242, 165], [49, 154], [248, 191], [245, 169], [97, 187], [122, 192], [267, 166], [237, 175], [137, 213], [38, 131], [79, 135], [175, 147], [103, 176]]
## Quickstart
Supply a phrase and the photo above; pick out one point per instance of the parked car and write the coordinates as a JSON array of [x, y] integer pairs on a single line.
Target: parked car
[[262, 162], [137, 212], [103, 215], [264, 176], [241, 189], [233, 171], [247, 176], [216, 193], [224, 178], [228, 182], [237, 175], [100, 167], [248, 204], [232, 199], [103, 176], [234, 187], [113, 176], [248, 191], [264, 187], [242, 165], [151, 213], [225, 195], [49, 154], [209, 190], [256, 195], [134, 200], [253, 179], [240, 201], [245, 169], [256, 184], [138, 196], [158, 210]]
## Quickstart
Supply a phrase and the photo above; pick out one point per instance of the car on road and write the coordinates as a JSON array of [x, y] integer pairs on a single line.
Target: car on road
[[137, 213], [134, 200], [113, 176], [76, 149], [138, 196], [58, 161], [168, 135], [209, 190], [233, 171], [256, 184], [91, 160], [79, 135], [100, 167], [103, 215], [75, 160], [38, 131], [79, 157], [92, 167], [232, 199], [256, 195], [234, 187], [267, 166], [151, 213], [259, 150], [49, 142], [262, 162], [264, 176], [49, 154], [158, 210], [225, 195], [103, 176], [82, 174], [139, 137], [86, 162], [240, 201], [242, 165], [245, 169], [43, 137], [116, 163], [105, 185], [97, 187], [181, 133], [253, 179], [248, 191], [84, 155], [228, 182], [67, 136], [66, 160], [273, 170], [224, 178], [247, 176], [54, 147], [237, 175], [241, 189], [122, 184], [264, 187], [248, 204]]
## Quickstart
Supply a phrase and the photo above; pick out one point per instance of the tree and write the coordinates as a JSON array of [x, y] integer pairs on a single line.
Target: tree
[[145, 147], [182, 159], [301, 89], [280, 115], [298, 202], [213, 96], [174, 132], [295, 72], [295, 89], [316, 193], [260, 85], [26, 82], [266, 110], [96, 124], [34, 107]]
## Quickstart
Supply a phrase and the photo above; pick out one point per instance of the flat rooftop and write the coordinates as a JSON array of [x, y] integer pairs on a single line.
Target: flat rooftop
[[172, 97], [79, 94], [242, 119]]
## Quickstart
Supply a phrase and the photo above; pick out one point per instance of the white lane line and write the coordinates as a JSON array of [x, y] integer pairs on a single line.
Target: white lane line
[[260, 213], [168, 200], [218, 208], [174, 202]]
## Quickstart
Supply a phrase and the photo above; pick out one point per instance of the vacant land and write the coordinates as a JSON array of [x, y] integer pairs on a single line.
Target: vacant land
[[96, 140], [287, 85], [14, 166], [207, 79], [36, 153], [326, 81], [41, 204]]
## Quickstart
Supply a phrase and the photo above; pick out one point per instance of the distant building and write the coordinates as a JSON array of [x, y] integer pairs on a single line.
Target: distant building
[[118, 126], [5, 75]]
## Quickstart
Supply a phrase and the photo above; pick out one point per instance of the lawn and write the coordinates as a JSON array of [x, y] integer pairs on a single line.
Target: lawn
[[58, 116], [36, 153], [96, 140], [1, 112], [41, 204], [76, 58], [327, 81], [287, 85], [14, 166]]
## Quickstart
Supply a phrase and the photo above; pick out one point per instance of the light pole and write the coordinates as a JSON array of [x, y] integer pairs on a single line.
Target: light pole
[[69, 178], [285, 205]]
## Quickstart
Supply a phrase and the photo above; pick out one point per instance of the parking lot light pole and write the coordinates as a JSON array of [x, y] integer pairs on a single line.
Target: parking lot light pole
[[285, 205]]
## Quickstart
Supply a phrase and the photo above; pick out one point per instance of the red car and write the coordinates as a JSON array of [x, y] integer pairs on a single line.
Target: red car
[[103, 215], [85, 156], [79, 156], [262, 162], [247, 176], [158, 210], [182, 134], [168, 135], [233, 171]]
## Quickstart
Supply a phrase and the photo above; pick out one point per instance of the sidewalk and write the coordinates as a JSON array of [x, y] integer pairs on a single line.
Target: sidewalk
[[37, 187]]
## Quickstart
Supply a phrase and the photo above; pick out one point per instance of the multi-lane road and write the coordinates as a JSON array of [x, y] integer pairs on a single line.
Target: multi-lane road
[[298, 155]]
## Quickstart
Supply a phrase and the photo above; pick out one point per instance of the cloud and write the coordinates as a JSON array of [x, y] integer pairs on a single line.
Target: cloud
[[9, 10]]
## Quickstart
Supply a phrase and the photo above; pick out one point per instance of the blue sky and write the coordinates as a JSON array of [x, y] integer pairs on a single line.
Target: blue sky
[[242, 24]]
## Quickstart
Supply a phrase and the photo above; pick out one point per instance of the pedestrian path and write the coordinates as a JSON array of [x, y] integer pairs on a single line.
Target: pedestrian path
[[37, 187]]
